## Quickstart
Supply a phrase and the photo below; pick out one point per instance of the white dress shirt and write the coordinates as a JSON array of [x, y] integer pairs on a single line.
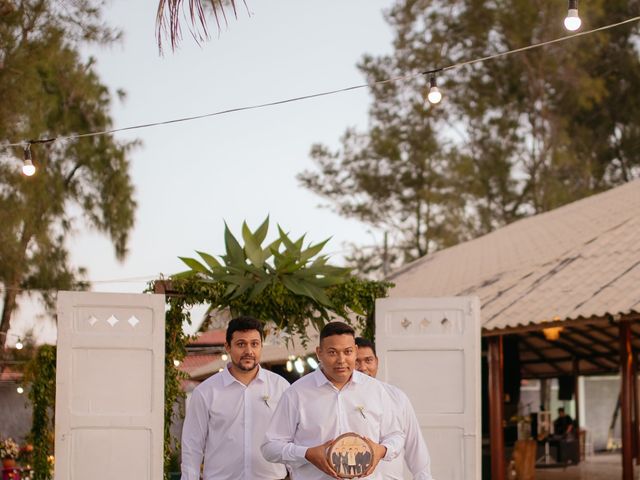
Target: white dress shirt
[[416, 454], [225, 423], [313, 411]]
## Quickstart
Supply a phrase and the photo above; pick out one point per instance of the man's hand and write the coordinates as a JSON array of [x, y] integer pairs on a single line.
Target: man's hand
[[379, 451], [318, 457]]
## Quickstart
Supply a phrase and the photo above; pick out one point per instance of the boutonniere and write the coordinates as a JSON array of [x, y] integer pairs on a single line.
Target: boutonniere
[[360, 408], [265, 399]]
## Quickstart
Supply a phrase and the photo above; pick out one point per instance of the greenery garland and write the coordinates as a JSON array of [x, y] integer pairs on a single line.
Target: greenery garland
[[299, 290], [41, 373]]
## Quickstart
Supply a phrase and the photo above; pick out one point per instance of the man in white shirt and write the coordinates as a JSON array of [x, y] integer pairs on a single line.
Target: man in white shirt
[[333, 400], [228, 413], [416, 454]]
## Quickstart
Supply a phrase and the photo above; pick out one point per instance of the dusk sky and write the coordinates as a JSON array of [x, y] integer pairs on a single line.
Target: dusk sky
[[192, 176]]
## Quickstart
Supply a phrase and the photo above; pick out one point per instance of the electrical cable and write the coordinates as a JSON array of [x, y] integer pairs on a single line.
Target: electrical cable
[[321, 94]]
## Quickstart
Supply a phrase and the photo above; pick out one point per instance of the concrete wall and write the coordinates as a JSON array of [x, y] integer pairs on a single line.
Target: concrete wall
[[15, 413], [601, 396]]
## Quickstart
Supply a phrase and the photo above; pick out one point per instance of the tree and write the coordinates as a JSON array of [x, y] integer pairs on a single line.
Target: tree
[[47, 89], [514, 136]]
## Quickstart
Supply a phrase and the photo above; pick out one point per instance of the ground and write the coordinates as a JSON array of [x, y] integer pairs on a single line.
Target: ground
[[606, 466]]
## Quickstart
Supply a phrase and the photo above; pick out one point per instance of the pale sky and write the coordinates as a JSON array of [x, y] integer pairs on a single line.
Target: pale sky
[[190, 177]]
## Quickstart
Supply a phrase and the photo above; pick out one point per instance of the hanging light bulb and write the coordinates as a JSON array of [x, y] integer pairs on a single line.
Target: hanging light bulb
[[289, 366], [299, 366], [224, 357], [20, 389], [434, 95], [19, 344], [312, 362], [572, 22], [28, 168]]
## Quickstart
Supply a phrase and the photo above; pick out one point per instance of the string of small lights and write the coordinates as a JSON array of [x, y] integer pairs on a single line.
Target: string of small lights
[[572, 22]]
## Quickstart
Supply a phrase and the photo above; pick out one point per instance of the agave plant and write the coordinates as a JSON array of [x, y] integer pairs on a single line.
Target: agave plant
[[250, 269]]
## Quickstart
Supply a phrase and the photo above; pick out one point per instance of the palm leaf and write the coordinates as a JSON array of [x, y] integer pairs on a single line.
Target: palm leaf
[[170, 12]]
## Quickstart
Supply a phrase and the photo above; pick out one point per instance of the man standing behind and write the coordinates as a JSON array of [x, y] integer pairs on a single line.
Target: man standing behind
[[331, 401], [228, 413], [415, 450]]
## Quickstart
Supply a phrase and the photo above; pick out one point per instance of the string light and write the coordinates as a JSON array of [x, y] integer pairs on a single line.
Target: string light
[[224, 357], [312, 363], [299, 366], [20, 389], [289, 366], [434, 96], [176, 362], [28, 168], [19, 344], [404, 77], [572, 21]]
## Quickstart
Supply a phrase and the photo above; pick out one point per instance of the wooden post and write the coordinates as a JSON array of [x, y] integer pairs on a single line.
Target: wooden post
[[496, 409], [576, 390], [636, 409], [626, 367]]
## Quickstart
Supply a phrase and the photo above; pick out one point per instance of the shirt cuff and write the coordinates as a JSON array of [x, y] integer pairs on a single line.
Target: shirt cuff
[[188, 474], [299, 453], [423, 476], [391, 453]]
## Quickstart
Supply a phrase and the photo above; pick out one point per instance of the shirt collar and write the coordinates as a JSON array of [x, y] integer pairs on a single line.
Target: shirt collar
[[321, 378], [228, 379]]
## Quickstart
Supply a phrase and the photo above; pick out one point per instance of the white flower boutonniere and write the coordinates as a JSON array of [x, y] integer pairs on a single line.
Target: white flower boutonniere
[[360, 408], [265, 399]]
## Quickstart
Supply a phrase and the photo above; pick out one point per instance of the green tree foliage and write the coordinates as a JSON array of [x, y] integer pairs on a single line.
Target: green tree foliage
[[47, 89], [514, 136]]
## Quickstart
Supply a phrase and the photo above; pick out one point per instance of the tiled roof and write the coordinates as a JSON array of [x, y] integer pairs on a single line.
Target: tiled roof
[[210, 337], [194, 362], [581, 260], [8, 375]]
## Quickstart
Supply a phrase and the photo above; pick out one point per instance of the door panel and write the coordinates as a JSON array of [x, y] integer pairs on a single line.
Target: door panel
[[430, 348], [109, 386]]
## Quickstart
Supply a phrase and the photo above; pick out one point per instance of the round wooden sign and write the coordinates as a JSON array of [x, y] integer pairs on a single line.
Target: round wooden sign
[[350, 455]]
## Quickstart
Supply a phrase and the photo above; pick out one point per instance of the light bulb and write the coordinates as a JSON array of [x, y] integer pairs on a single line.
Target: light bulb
[[176, 362], [289, 366], [19, 345], [220, 369], [434, 95], [312, 363], [299, 366], [224, 357], [20, 390], [28, 168], [572, 22]]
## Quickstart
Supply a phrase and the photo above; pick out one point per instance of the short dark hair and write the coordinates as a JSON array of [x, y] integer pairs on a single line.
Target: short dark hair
[[366, 343], [242, 324], [336, 328]]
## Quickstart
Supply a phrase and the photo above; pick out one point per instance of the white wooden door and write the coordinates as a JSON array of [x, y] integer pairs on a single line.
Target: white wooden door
[[109, 386], [430, 348]]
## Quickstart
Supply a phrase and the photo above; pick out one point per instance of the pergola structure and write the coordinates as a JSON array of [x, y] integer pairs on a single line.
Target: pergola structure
[[567, 283]]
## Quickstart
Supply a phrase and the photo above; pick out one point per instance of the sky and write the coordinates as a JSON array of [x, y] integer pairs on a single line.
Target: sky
[[191, 177]]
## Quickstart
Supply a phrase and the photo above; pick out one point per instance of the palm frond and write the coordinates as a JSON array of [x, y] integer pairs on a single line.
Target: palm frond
[[172, 13]]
